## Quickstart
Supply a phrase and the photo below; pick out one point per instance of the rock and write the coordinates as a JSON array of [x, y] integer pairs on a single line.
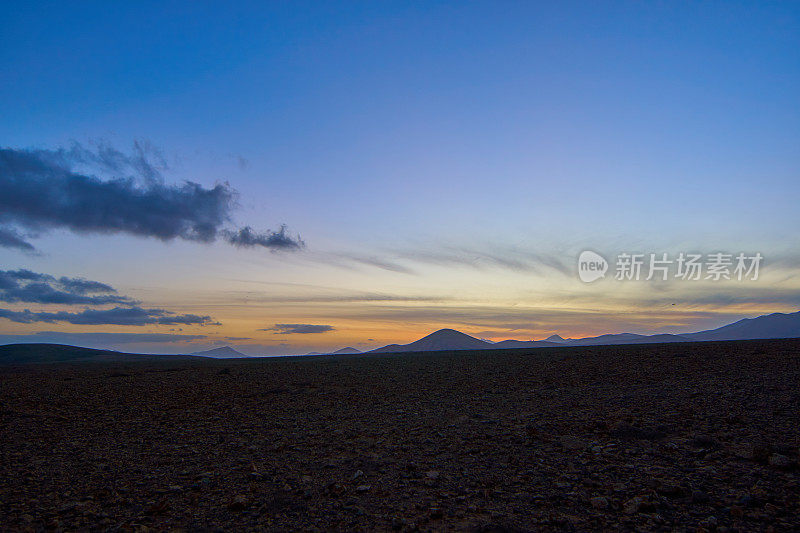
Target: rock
[[238, 503], [629, 432], [671, 490], [571, 442], [335, 489], [700, 440], [599, 502], [744, 451], [358, 474], [780, 461], [159, 507], [432, 474], [711, 522], [633, 505], [72, 506], [363, 488], [536, 432]]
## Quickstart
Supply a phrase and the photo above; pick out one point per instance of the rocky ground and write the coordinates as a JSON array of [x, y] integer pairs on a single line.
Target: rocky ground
[[656, 437]]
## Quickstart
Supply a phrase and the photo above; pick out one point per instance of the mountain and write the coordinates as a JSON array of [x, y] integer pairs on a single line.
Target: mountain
[[62, 353], [225, 352], [624, 338], [512, 344], [774, 326], [444, 339], [347, 350]]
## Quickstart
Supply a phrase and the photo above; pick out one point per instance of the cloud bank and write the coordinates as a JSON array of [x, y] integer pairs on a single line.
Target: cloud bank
[[32, 287], [26, 286], [119, 316], [47, 189]]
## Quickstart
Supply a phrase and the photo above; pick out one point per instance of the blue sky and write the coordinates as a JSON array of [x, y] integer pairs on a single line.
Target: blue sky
[[420, 136]]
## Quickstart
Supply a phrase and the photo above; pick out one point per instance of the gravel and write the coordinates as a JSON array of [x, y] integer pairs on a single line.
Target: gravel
[[656, 437]]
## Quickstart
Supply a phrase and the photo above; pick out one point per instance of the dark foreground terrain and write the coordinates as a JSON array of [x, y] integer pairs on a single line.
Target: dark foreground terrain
[[654, 437]]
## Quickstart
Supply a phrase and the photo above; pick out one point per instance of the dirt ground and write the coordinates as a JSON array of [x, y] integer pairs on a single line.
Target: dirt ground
[[700, 436]]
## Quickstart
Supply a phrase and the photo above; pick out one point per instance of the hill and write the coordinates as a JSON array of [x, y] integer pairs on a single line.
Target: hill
[[61, 353], [346, 350], [774, 326], [444, 339], [225, 352]]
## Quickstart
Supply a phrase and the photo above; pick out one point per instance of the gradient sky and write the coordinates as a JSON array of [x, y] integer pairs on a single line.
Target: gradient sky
[[444, 163]]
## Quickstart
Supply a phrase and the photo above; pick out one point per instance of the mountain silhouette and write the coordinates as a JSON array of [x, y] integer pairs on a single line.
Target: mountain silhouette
[[346, 350], [511, 344], [774, 326], [225, 352], [61, 353], [444, 339]]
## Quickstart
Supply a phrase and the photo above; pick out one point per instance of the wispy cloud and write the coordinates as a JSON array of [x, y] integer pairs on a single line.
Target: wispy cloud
[[44, 190], [286, 329], [490, 257]]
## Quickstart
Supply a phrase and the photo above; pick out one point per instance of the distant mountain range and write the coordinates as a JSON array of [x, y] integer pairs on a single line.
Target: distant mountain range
[[341, 351], [774, 326], [226, 352]]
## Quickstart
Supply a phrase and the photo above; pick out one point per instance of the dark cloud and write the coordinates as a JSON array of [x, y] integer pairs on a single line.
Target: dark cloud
[[120, 316], [28, 286], [11, 239], [48, 189], [247, 238], [286, 329], [34, 287]]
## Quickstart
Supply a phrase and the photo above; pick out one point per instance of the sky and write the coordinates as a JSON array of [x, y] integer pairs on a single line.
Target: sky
[[291, 177]]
